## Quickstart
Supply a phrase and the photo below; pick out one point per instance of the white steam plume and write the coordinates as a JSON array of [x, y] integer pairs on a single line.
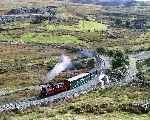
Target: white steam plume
[[59, 67]]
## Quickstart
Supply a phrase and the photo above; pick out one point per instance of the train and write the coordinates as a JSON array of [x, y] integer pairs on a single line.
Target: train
[[51, 89]]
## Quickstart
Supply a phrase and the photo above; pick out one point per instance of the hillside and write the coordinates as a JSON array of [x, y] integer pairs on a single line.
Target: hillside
[[106, 2], [109, 40]]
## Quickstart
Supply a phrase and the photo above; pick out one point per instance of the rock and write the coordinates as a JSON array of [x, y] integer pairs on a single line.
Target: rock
[[141, 107], [32, 10]]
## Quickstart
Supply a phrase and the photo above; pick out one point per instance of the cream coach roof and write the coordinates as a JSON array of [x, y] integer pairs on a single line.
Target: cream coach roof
[[77, 77]]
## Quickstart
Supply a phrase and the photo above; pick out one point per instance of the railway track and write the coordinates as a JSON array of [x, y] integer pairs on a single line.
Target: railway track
[[34, 101], [91, 85], [5, 92]]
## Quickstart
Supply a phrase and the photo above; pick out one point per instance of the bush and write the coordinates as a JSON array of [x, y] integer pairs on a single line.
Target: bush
[[101, 50], [95, 108], [91, 63], [119, 60], [105, 51], [140, 75], [110, 53]]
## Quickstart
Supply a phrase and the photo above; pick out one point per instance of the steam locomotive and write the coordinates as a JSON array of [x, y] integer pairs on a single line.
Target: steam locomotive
[[71, 83]]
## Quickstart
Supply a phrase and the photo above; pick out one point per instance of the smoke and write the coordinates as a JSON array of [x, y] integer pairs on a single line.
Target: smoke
[[59, 67]]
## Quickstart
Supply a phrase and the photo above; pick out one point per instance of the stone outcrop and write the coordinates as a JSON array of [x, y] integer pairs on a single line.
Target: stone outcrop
[[30, 14], [33, 10], [140, 107]]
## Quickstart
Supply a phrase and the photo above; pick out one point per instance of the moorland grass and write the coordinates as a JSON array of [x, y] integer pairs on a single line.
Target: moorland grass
[[81, 26], [42, 38], [105, 101]]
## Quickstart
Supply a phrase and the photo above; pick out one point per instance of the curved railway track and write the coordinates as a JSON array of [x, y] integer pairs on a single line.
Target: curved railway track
[[34, 101], [93, 84], [6, 92], [102, 65]]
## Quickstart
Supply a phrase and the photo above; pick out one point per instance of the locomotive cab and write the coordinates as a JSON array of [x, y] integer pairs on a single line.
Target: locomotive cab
[[43, 92]]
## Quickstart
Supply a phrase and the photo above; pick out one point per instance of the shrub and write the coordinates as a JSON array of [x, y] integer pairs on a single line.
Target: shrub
[[101, 50], [105, 51], [119, 60], [140, 75], [94, 108]]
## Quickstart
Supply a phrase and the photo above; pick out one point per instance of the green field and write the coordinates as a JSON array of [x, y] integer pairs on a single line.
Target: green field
[[42, 38], [81, 26]]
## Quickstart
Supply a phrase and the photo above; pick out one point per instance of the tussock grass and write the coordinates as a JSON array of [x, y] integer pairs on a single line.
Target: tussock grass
[[97, 105]]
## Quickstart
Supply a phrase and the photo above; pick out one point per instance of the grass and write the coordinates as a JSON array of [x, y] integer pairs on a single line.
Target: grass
[[22, 66], [81, 26], [42, 38], [142, 41], [18, 96], [108, 101], [15, 25], [46, 38], [127, 40], [90, 34], [97, 105], [49, 114]]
